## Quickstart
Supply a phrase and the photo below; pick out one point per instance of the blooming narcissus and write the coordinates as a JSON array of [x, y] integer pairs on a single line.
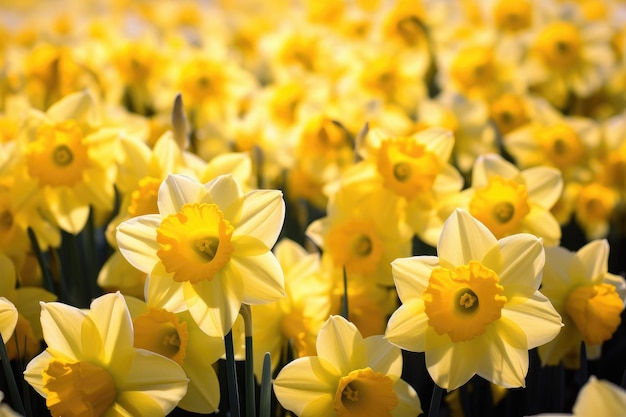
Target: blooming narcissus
[[509, 201], [352, 376], [589, 298], [91, 368], [476, 308], [66, 160], [209, 248]]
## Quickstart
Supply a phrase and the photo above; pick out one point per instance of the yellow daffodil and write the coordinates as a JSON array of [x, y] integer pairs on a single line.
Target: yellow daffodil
[[412, 173], [510, 201], [297, 318], [90, 365], [8, 318], [351, 376], [569, 55], [67, 161], [209, 247], [177, 337], [589, 298], [475, 309], [597, 398], [27, 337]]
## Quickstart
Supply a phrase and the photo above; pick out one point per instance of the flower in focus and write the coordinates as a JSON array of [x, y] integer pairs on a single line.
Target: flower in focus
[[8, 319], [476, 308], [589, 298], [350, 377], [91, 368], [510, 201], [209, 248]]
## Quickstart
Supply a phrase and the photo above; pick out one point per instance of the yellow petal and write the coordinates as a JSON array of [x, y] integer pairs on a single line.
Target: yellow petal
[[545, 185], [112, 319], [407, 326], [464, 238], [176, 191], [601, 398], [79, 106], [263, 278], [8, 318], [536, 317], [262, 216], [382, 356], [136, 239], [61, 326], [595, 257], [411, 275]]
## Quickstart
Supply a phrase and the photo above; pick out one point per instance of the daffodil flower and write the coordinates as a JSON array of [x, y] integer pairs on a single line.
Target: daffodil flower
[[8, 318], [209, 248], [350, 377], [475, 309], [590, 299], [91, 366]]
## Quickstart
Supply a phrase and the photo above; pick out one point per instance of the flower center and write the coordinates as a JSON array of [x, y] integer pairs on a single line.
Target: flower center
[[407, 168], [143, 200], [59, 155], [365, 393], [561, 145], [559, 45], [508, 113], [195, 242], [595, 309], [512, 16], [160, 331], [77, 389], [473, 67], [355, 245], [501, 206], [463, 302]]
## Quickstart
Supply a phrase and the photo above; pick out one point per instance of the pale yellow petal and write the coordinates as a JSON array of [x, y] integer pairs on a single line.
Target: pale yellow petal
[[304, 381], [439, 141], [411, 275], [544, 185], [9, 277], [600, 398], [176, 191], [262, 216], [69, 212], [203, 391], [336, 342], [542, 223], [214, 305], [110, 314], [522, 260], [409, 404], [164, 292], [27, 303], [568, 338], [226, 192], [79, 106], [536, 317], [382, 356], [262, 277], [407, 326], [595, 258], [33, 374], [8, 318], [61, 326], [464, 238], [151, 374], [136, 239]]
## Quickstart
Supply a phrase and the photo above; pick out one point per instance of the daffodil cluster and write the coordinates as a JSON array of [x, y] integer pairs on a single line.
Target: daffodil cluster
[[391, 198]]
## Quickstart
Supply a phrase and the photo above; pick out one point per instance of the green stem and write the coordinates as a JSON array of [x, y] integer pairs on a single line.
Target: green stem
[[231, 375], [11, 382], [246, 314], [435, 401], [266, 385], [45, 271]]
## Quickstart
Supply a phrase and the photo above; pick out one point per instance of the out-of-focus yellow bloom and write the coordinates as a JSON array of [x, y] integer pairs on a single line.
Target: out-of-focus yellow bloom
[[569, 55], [350, 377], [25, 343], [5, 410], [209, 248], [90, 365], [297, 318], [410, 172], [67, 161], [468, 121], [589, 298], [597, 397], [571, 144], [510, 201], [476, 308]]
